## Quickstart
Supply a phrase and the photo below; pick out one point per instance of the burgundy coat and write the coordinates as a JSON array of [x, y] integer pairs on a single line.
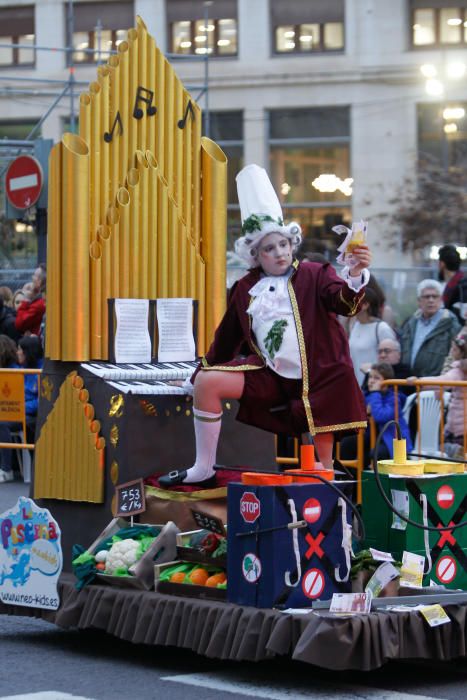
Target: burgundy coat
[[331, 398]]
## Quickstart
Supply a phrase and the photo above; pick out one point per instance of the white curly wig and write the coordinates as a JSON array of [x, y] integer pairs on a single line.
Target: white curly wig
[[246, 247]]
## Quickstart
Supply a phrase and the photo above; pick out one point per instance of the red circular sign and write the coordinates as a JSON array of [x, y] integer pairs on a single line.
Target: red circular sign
[[312, 510], [445, 497], [313, 583], [250, 507], [23, 182], [446, 569]]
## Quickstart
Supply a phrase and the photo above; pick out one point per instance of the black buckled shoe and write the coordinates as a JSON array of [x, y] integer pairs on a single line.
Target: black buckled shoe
[[176, 478]]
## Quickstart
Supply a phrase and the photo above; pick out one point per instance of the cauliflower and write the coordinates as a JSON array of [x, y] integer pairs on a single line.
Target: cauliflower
[[122, 555]]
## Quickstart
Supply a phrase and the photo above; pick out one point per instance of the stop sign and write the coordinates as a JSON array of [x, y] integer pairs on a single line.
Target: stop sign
[[250, 507], [23, 182]]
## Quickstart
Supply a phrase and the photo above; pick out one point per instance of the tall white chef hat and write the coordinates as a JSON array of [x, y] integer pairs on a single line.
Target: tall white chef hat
[[261, 214]]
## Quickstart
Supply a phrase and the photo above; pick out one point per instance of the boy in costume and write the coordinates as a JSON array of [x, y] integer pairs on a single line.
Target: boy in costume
[[279, 349]]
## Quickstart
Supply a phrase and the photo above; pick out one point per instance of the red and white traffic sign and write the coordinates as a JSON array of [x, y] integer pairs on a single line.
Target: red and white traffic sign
[[446, 569], [313, 583], [445, 497], [250, 507], [312, 510], [23, 182]]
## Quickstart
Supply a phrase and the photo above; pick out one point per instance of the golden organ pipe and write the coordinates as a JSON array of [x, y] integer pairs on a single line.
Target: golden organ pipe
[[95, 158], [162, 239], [142, 124], [214, 227], [124, 68], [188, 175], [123, 203], [132, 123], [95, 252], [178, 151], [170, 126], [54, 257], [143, 275], [85, 117], [203, 305], [108, 277], [182, 257], [151, 77], [75, 237], [161, 116], [173, 248], [152, 224], [133, 179], [196, 178], [113, 147], [104, 148]]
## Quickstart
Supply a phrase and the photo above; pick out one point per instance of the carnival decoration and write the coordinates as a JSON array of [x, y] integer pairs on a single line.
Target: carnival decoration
[[30, 556], [137, 204]]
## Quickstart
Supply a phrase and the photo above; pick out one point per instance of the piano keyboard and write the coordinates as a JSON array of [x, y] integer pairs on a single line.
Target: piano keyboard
[[144, 372], [148, 387]]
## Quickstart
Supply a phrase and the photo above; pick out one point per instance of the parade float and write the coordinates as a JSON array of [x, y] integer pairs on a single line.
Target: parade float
[[263, 564]]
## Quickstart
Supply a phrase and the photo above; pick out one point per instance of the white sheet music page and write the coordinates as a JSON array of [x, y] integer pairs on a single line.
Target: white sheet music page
[[132, 339], [175, 324]]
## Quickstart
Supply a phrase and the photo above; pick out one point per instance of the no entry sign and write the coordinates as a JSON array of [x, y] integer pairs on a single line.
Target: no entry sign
[[313, 583], [23, 182], [445, 496], [312, 510], [446, 569]]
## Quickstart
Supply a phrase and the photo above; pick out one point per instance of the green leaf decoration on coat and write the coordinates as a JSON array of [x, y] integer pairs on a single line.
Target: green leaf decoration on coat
[[273, 340], [254, 222]]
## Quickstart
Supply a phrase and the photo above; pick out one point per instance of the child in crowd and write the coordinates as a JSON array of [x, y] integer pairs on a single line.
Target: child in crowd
[[30, 356], [279, 349], [380, 402]]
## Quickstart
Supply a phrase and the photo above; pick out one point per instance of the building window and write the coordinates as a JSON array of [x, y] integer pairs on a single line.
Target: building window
[[304, 27], [17, 27], [311, 171], [98, 28], [198, 29], [438, 23], [442, 135]]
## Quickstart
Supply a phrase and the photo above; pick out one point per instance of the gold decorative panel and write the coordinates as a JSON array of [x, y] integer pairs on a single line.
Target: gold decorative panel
[[69, 453]]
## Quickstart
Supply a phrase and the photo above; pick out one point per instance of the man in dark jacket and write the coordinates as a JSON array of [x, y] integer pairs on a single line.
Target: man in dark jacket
[[426, 336]]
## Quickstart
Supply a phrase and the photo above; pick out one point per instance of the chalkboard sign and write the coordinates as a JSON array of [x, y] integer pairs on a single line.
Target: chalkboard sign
[[130, 498], [208, 522]]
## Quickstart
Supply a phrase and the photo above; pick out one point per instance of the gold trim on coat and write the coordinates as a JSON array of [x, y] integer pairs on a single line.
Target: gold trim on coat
[[303, 357]]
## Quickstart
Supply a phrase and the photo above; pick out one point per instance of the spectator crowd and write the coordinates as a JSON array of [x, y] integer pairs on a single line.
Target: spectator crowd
[[431, 343], [22, 336]]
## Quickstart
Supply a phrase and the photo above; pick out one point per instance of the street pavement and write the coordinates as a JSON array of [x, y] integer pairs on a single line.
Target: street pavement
[[39, 661]]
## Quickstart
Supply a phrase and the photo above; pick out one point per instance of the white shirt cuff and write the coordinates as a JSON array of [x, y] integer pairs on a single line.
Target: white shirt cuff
[[355, 283]]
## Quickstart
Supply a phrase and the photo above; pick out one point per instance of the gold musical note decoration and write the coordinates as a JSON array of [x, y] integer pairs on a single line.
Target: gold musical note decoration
[[128, 199]]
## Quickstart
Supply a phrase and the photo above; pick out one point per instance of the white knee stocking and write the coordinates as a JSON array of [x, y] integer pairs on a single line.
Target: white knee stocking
[[207, 429]]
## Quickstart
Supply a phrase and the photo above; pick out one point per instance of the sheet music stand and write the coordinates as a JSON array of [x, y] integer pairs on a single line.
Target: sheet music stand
[[152, 327]]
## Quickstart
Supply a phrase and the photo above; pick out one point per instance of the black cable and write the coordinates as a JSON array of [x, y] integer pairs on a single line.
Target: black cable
[[362, 534], [431, 528]]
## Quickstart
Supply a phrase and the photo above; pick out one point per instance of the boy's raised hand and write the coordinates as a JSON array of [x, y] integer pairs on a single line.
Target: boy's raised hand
[[363, 255]]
